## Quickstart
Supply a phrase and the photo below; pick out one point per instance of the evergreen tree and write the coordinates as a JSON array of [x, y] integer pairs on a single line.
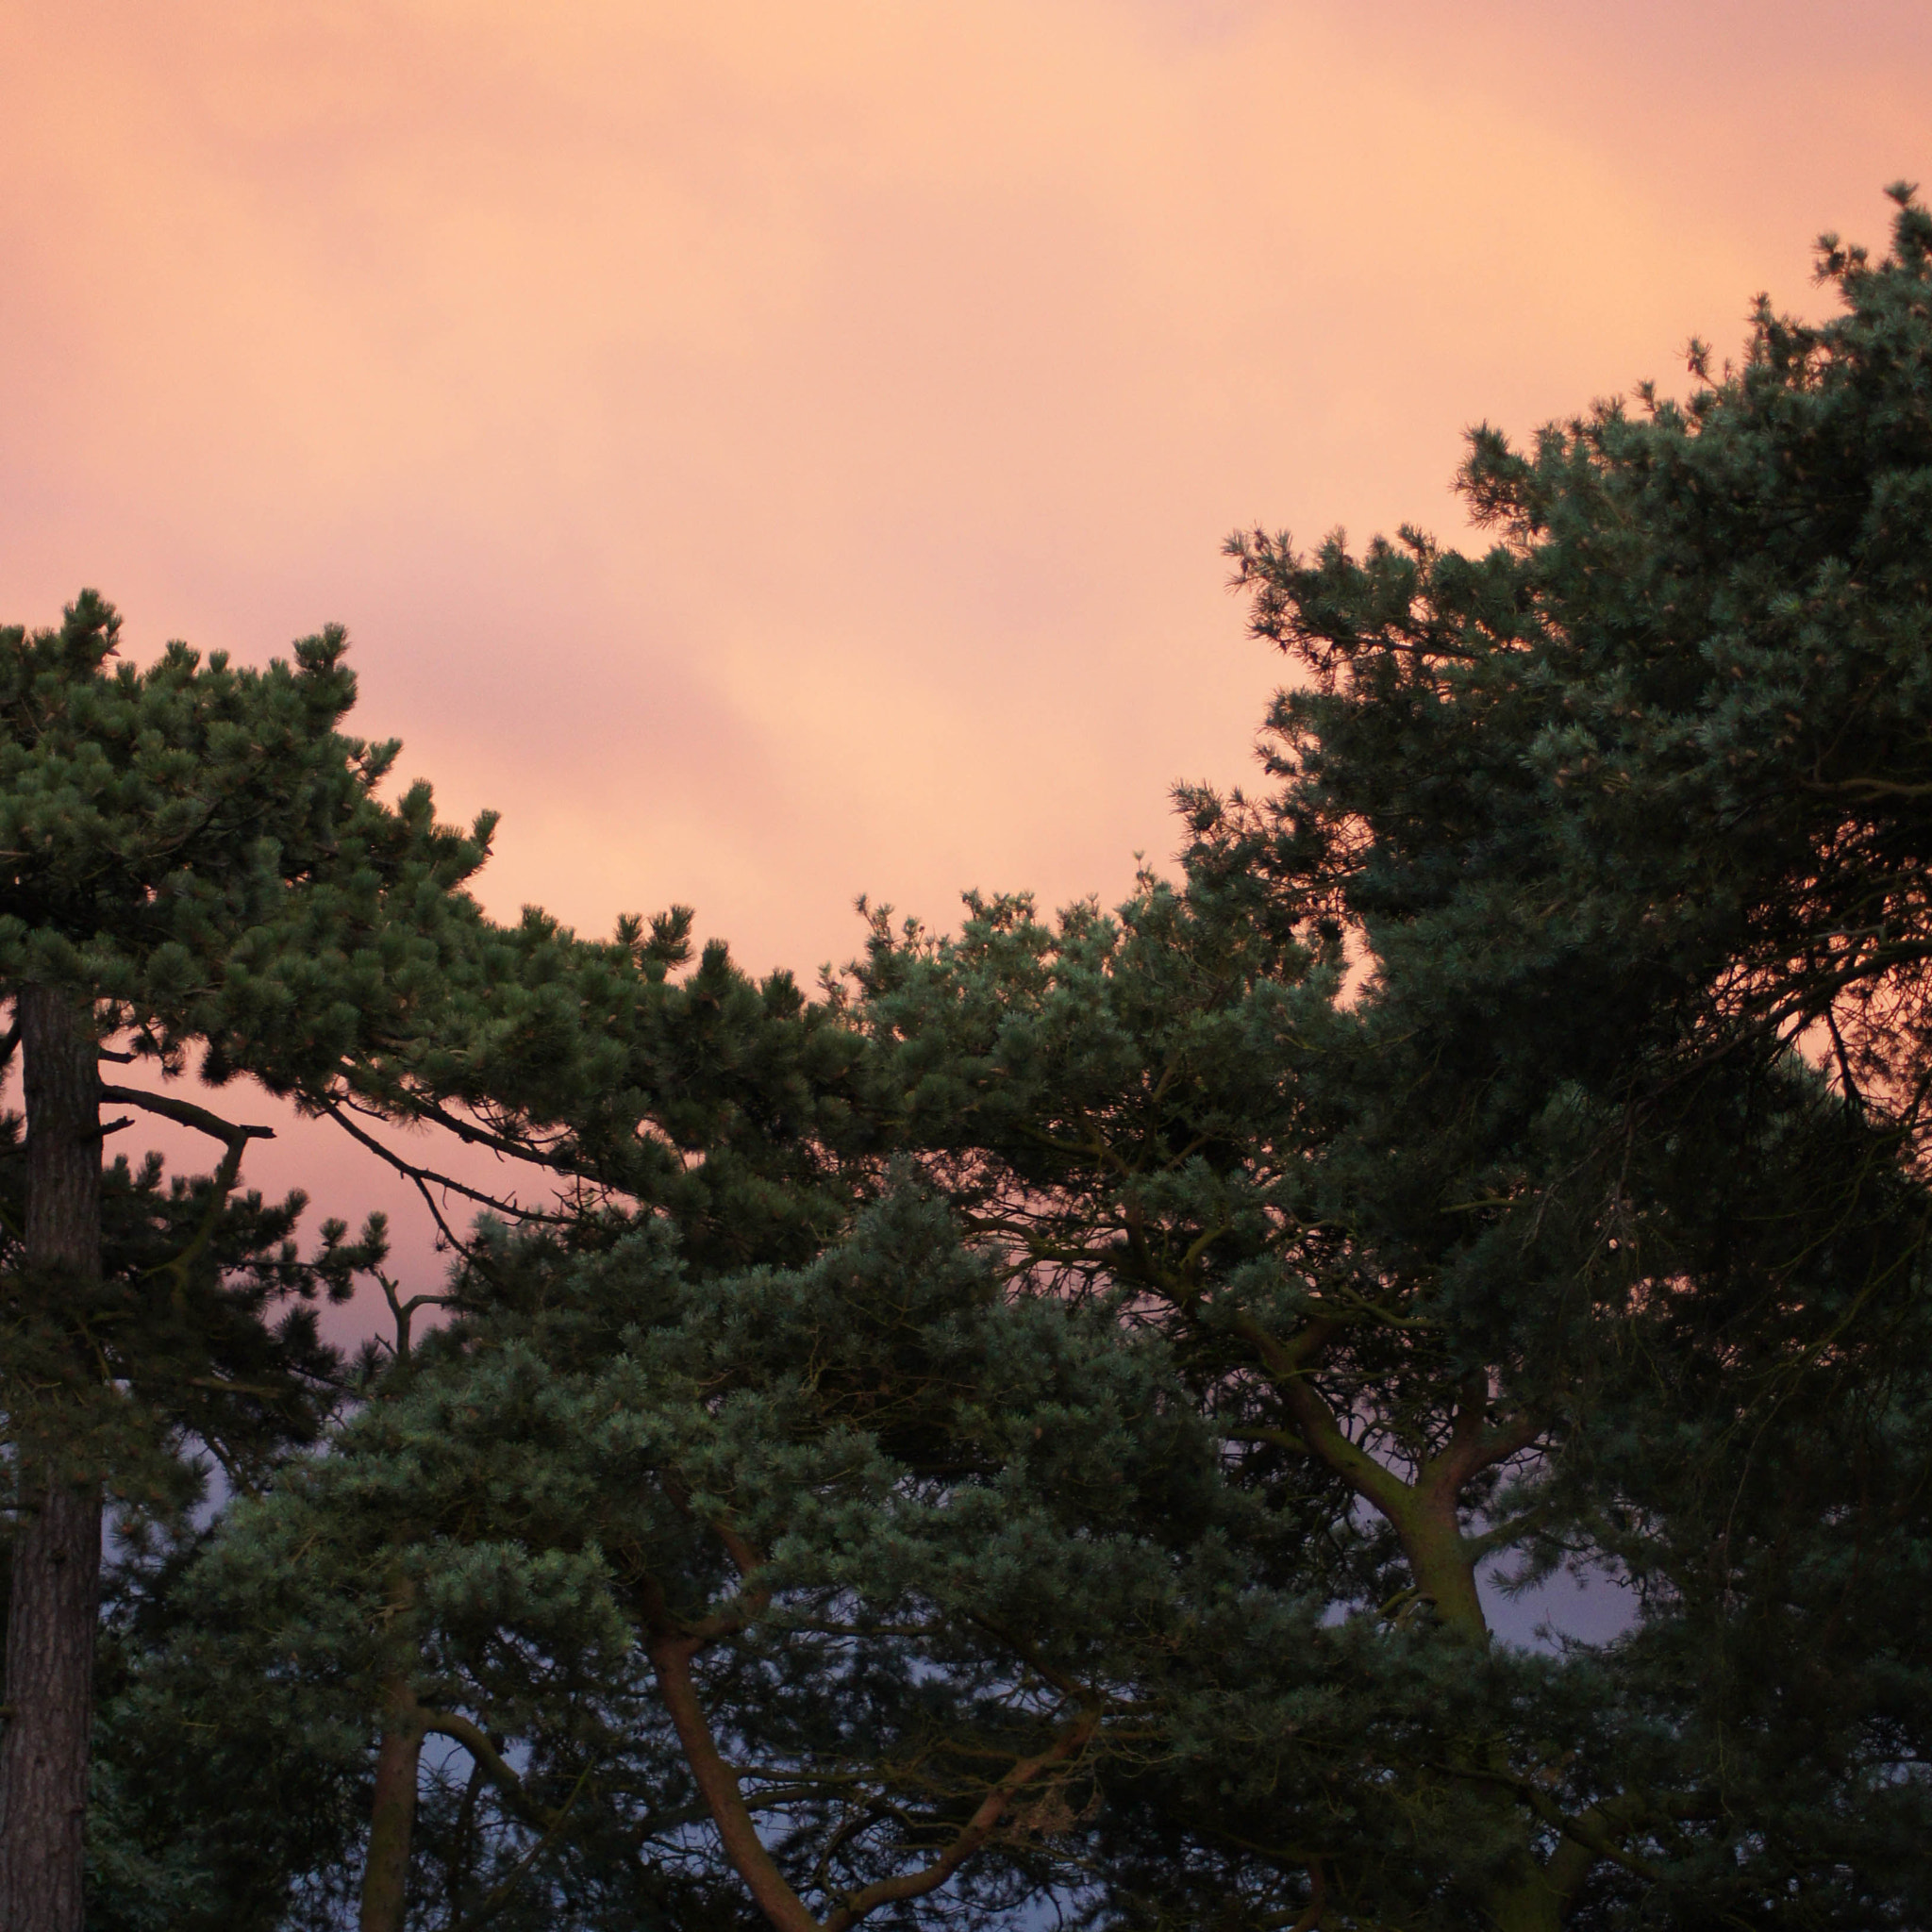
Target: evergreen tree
[[192, 853], [198, 858], [1504, 1146], [811, 1584], [1549, 1239], [1650, 757]]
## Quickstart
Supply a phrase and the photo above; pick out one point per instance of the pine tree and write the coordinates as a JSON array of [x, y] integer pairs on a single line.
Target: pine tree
[[1590, 1225], [199, 861], [233, 1262], [810, 1584], [1657, 753], [194, 854], [1505, 1143]]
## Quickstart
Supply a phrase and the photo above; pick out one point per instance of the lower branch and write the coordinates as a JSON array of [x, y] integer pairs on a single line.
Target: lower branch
[[424, 1178], [490, 1762], [234, 1138], [974, 1833], [716, 1782], [502, 1895]]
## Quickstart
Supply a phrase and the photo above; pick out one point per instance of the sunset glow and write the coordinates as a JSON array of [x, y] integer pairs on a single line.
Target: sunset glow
[[775, 452]]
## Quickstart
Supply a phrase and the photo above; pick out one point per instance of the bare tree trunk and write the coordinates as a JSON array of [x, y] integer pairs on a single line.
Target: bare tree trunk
[[392, 1816], [56, 1549]]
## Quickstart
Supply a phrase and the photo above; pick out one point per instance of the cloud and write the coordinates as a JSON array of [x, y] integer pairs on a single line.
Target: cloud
[[772, 453]]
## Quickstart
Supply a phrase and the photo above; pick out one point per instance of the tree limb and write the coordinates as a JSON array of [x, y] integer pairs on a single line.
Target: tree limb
[[185, 1113], [973, 1834], [425, 1178], [1472, 1449], [453, 1724], [717, 1784], [501, 1896], [234, 1138]]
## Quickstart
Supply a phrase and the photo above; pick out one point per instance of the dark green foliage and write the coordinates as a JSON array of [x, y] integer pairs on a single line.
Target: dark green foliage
[[1549, 1243], [197, 857], [1659, 757], [194, 854], [199, 848], [203, 852], [201, 1330], [909, 1532], [1501, 1151]]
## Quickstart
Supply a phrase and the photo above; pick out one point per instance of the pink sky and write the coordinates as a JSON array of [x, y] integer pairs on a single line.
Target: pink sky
[[774, 452]]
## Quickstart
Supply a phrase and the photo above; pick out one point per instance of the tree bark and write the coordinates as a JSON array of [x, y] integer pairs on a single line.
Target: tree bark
[[392, 1816], [56, 1548]]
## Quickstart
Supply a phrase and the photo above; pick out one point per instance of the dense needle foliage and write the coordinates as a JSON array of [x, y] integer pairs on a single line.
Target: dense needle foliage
[[1046, 1429], [891, 1534], [1589, 1229]]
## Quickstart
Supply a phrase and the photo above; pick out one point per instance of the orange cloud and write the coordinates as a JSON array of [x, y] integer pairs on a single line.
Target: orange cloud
[[771, 452]]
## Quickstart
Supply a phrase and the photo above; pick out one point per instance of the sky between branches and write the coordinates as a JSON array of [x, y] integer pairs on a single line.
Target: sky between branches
[[773, 452]]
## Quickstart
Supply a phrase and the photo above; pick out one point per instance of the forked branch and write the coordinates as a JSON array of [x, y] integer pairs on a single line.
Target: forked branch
[[233, 1137], [425, 1178], [716, 1782]]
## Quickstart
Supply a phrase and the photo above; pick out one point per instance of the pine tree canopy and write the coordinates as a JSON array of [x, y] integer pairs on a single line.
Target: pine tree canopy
[[1660, 754], [1513, 1123], [1050, 1430], [202, 852], [200, 864], [843, 1561]]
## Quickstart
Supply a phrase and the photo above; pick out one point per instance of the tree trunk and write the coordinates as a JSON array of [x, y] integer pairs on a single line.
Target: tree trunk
[[392, 1816], [56, 1548], [1439, 1559]]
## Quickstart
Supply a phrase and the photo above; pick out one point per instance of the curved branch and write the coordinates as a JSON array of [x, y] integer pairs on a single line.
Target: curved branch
[[185, 1113], [501, 1896], [453, 1724], [717, 1783], [425, 1178], [1472, 1448], [234, 1138], [973, 1834], [1287, 1366], [426, 1108]]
